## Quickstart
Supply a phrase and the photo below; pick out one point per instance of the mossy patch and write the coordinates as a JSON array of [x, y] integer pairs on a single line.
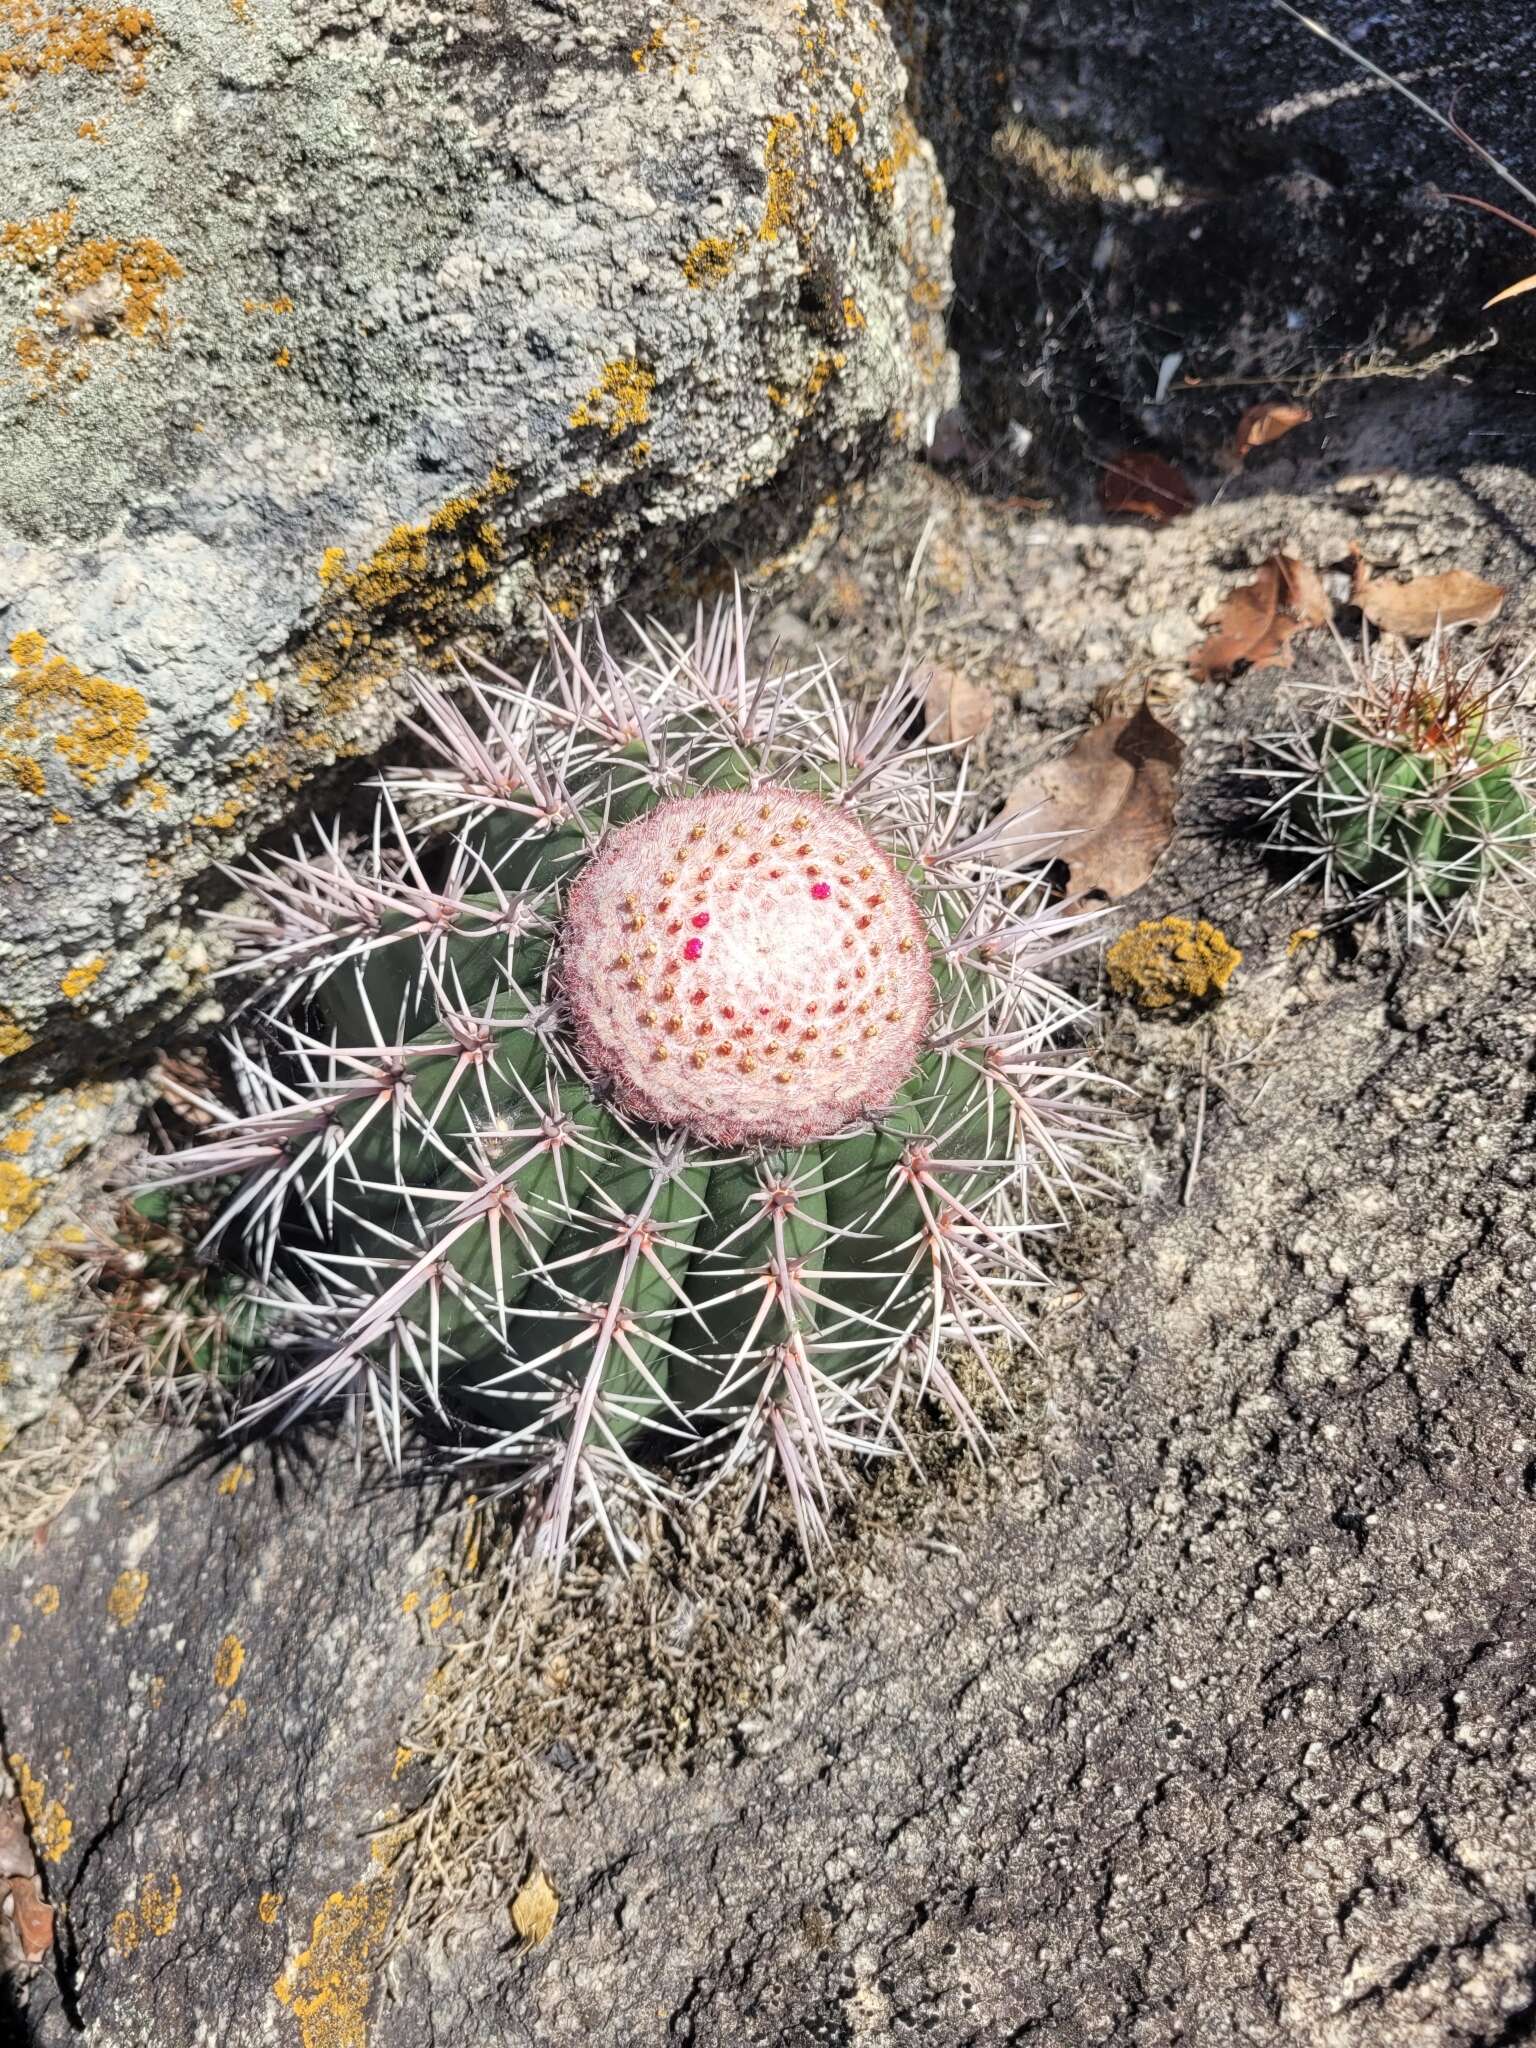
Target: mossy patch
[[1170, 960]]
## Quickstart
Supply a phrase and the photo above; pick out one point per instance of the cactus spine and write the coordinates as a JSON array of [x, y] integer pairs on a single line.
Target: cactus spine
[[670, 1065]]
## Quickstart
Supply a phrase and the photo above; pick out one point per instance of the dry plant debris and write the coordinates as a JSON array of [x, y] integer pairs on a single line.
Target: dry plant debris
[[956, 708], [534, 1909], [1145, 486], [1108, 801], [1416, 609], [1262, 424], [1253, 626]]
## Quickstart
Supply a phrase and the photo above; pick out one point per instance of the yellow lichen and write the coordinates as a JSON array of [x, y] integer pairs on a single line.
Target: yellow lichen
[[709, 262], [268, 1906], [620, 399], [228, 1662], [1171, 960], [75, 983], [52, 1828], [20, 1195], [1306, 936], [328, 1985], [842, 133], [127, 1597], [46, 1599], [159, 1904], [782, 155], [409, 1602], [106, 727]]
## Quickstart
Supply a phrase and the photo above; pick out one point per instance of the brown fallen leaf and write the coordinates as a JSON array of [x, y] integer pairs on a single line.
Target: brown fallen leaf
[[1512, 291], [1109, 801], [1413, 610], [956, 708], [1261, 424], [1146, 485], [534, 1908], [27, 1917], [1252, 626]]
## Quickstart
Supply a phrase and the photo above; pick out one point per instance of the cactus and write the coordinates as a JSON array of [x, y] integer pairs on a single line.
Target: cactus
[[1411, 791], [669, 1066]]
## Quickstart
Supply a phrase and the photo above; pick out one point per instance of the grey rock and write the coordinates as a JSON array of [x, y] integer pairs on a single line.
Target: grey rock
[[337, 333]]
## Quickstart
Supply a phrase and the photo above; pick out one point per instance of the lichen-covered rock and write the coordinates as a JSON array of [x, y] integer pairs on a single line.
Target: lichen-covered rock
[[333, 332]]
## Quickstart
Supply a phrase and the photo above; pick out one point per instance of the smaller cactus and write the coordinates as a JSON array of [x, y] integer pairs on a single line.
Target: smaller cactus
[[1412, 791]]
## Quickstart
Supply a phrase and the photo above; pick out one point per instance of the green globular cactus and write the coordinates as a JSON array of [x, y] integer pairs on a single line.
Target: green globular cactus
[[669, 1067], [1411, 792]]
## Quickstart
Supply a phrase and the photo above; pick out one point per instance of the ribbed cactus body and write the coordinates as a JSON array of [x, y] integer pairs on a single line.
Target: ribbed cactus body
[[1414, 793], [1392, 814], [681, 1074]]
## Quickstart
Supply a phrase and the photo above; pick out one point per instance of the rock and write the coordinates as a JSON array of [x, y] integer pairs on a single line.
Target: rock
[[1194, 178], [336, 333], [1208, 1719]]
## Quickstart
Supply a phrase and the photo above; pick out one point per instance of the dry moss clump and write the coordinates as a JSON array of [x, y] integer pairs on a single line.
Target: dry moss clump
[[1169, 960]]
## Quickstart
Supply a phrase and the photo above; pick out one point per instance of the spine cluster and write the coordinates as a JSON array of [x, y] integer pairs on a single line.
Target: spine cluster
[[1410, 791], [672, 1073]]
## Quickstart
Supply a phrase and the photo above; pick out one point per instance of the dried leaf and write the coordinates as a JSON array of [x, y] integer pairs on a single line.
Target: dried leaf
[[1413, 610], [1261, 424], [534, 1908], [1109, 801], [1511, 291], [16, 1858], [1252, 627], [30, 1918], [1144, 484], [957, 709]]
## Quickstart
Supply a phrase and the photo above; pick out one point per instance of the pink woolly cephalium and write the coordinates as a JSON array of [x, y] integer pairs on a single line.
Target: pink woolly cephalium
[[676, 1069]]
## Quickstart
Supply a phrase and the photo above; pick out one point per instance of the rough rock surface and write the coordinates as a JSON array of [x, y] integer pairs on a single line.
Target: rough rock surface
[[332, 330], [1209, 180], [1211, 1719]]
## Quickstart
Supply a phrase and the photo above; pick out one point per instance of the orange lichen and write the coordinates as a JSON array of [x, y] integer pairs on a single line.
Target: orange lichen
[[104, 732], [279, 305], [43, 40], [329, 1984], [75, 983], [127, 1597], [52, 1828], [283, 359], [620, 399], [35, 243], [228, 1662], [1170, 960], [141, 269]]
